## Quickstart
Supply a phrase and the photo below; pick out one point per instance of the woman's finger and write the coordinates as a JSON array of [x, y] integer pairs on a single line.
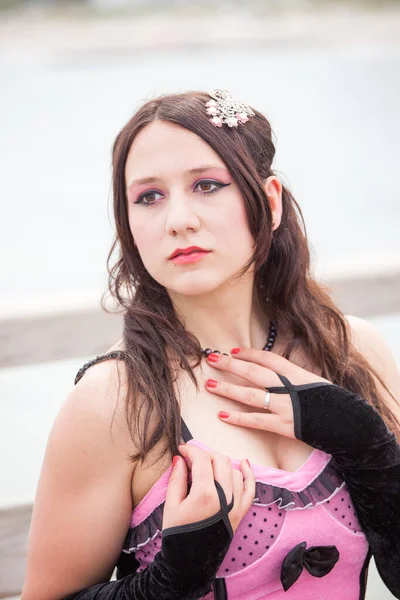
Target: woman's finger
[[244, 490], [237, 482], [261, 368], [267, 422], [272, 361], [256, 374], [201, 468], [246, 395], [236, 514], [249, 485], [278, 364], [223, 473], [177, 484], [221, 470]]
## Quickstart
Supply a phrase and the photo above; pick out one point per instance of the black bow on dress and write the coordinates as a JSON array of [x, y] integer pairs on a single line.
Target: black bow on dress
[[318, 560]]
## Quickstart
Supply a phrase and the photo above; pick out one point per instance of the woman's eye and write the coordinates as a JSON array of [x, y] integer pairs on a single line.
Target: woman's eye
[[148, 198], [205, 187], [208, 187]]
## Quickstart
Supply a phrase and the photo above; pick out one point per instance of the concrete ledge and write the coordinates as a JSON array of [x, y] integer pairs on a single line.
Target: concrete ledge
[[367, 295], [26, 340]]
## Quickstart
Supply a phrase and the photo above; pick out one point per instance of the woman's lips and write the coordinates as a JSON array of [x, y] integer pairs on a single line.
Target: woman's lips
[[194, 256]]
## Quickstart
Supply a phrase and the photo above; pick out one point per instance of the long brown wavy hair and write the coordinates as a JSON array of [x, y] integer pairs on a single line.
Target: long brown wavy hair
[[155, 339]]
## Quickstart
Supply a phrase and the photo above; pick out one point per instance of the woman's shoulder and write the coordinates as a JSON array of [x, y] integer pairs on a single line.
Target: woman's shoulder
[[99, 391], [369, 341], [371, 344], [96, 366]]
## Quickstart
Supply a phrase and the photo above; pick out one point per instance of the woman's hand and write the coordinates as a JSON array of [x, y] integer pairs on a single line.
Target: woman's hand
[[335, 420], [202, 501], [260, 368]]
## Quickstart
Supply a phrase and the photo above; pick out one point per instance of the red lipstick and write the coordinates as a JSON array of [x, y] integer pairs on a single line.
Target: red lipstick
[[187, 255]]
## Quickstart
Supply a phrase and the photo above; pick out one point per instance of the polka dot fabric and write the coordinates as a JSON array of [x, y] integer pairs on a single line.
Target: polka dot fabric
[[256, 534], [145, 555], [309, 505], [341, 508]]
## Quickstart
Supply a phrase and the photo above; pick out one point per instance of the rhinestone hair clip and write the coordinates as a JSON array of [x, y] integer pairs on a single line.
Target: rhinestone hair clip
[[224, 109]]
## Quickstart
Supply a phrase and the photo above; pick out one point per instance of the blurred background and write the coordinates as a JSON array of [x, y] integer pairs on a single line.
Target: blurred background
[[326, 75]]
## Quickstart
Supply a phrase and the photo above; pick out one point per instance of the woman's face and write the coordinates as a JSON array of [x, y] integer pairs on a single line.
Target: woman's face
[[180, 195]]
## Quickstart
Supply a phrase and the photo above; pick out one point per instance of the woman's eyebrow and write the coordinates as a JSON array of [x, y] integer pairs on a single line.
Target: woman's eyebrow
[[194, 171]]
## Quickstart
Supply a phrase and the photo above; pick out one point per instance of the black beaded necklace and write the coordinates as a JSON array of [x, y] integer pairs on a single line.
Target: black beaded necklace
[[268, 346]]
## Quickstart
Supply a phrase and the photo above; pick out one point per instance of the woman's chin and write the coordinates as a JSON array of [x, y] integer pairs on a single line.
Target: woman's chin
[[193, 286]]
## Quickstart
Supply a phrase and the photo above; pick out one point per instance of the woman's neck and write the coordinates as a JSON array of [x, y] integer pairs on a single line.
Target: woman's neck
[[227, 318]]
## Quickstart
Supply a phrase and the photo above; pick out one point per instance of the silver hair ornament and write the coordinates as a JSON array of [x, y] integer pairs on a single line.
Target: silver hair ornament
[[224, 109]]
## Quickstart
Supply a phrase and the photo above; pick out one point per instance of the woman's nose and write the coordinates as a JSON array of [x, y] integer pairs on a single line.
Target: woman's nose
[[181, 217]]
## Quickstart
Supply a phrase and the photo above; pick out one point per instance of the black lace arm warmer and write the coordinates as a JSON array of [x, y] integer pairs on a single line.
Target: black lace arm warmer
[[184, 568], [330, 418]]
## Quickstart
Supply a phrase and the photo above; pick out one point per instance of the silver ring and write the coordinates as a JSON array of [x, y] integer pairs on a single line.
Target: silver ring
[[267, 399]]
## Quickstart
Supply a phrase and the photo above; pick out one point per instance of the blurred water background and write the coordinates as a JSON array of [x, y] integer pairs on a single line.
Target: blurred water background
[[333, 107], [327, 75]]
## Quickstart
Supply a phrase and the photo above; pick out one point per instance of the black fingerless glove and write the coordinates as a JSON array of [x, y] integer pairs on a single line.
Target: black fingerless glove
[[328, 417], [185, 567]]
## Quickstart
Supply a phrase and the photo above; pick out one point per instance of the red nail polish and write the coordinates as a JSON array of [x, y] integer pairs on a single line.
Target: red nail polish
[[213, 357], [211, 383], [175, 461], [223, 414], [235, 350], [247, 460]]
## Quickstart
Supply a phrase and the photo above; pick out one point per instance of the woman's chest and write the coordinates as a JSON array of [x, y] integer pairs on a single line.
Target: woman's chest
[[311, 507], [199, 410]]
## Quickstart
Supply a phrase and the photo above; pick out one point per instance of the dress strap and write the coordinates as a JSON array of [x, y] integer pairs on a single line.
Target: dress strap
[[185, 432], [119, 354]]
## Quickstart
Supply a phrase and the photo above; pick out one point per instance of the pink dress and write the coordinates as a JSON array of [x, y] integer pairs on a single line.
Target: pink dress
[[309, 505]]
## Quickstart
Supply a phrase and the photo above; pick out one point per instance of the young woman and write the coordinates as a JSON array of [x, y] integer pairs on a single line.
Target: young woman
[[231, 350]]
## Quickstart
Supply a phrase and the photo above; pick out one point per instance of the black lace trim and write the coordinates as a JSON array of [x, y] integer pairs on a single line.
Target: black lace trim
[[324, 486], [328, 483]]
